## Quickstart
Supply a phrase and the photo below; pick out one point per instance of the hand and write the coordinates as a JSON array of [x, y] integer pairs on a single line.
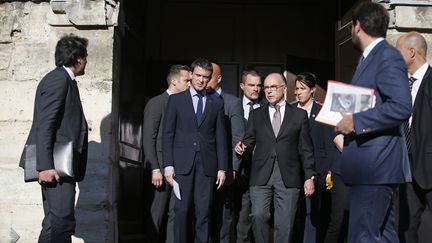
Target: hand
[[240, 148], [339, 142], [220, 179], [309, 187], [169, 176], [346, 125], [157, 178], [48, 177]]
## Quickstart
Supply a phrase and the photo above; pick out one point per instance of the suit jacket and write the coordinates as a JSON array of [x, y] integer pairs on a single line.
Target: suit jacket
[[152, 130], [292, 147], [376, 153], [183, 137], [320, 139], [245, 160], [58, 117], [421, 140], [234, 125]]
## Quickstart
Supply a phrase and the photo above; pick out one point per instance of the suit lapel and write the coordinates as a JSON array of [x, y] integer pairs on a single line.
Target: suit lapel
[[190, 110], [267, 121], [421, 90], [285, 119], [314, 113], [362, 66], [207, 109]]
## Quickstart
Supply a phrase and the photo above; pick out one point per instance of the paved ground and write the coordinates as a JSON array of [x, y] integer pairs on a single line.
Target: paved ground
[[21, 210]]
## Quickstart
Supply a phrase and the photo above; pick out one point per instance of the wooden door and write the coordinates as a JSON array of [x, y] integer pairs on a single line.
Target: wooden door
[[346, 56]]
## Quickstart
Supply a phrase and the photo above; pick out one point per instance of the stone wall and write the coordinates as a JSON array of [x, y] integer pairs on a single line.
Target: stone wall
[[407, 15], [28, 34]]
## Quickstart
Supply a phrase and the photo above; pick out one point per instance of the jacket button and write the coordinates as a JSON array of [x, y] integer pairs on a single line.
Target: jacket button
[[194, 144]]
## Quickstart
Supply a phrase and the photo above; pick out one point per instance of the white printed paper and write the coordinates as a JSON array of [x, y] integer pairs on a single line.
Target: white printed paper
[[176, 189], [344, 97]]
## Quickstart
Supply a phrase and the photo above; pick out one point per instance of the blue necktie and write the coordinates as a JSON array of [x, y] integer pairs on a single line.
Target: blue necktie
[[362, 58], [406, 125], [199, 110]]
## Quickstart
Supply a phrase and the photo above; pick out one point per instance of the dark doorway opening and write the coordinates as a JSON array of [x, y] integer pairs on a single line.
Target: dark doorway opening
[[292, 35]]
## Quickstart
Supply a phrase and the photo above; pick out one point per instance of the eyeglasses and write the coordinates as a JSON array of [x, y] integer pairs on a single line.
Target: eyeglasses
[[273, 87]]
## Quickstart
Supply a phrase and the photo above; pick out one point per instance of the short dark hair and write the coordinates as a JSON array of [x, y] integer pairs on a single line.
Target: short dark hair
[[68, 49], [251, 72], [373, 19], [203, 63], [175, 71], [307, 78]]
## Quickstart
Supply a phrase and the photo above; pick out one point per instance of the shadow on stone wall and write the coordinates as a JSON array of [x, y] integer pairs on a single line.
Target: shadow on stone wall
[[92, 204]]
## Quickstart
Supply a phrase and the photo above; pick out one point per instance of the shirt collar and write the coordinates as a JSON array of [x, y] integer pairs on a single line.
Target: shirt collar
[[419, 74], [308, 108], [282, 103], [193, 92], [246, 100], [219, 91], [69, 71], [370, 47], [169, 92]]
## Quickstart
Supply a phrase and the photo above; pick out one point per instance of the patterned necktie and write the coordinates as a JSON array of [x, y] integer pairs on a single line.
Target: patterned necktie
[[406, 125], [199, 110], [251, 104], [276, 123]]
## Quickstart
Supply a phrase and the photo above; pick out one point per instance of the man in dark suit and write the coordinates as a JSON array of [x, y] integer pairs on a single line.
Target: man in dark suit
[[223, 213], [194, 150], [282, 161], [178, 79], [417, 196], [251, 87], [374, 160], [58, 117]]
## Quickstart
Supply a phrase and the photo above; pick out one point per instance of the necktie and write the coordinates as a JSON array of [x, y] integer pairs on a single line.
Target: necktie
[[362, 58], [199, 110], [251, 104], [276, 123], [406, 125]]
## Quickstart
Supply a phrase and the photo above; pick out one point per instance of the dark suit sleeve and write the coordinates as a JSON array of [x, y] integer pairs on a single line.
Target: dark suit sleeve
[[168, 131], [237, 129], [249, 137], [51, 105], [221, 140], [392, 88], [305, 148], [152, 122]]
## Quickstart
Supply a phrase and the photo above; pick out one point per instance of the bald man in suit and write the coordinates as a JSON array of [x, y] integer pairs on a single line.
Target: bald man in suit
[[282, 161], [417, 196]]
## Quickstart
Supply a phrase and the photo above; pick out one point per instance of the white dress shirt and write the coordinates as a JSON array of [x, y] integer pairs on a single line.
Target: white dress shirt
[[246, 106], [272, 110], [418, 75]]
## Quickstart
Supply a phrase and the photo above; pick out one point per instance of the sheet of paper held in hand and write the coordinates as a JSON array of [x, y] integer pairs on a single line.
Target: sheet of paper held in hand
[[344, 97], [176, 189]]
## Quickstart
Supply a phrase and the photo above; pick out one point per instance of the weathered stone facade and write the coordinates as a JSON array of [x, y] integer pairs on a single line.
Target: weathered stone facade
[[410, 15], [28, 33]]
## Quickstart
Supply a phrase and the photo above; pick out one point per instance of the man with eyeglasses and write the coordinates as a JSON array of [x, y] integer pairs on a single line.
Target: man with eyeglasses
[[282, 161]]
